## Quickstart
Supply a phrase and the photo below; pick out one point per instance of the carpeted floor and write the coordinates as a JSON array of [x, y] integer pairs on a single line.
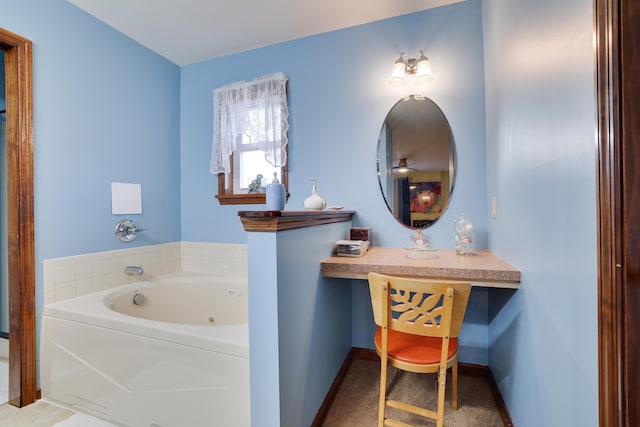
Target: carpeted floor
[[356, 403]]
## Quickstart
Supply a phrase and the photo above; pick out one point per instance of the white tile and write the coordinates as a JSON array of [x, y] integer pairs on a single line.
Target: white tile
[[100, 283], [64, 273], [100, 267], [148, 258], [49, 283], [84, 270], [70, 276], [84, 286], [132, 259], [117, 264], [70, 260], [163, 268], [116, 279], [50, 411], [187, 254]]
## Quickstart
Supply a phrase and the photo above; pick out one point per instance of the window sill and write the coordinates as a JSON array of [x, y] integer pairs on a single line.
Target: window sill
[[242, 199]]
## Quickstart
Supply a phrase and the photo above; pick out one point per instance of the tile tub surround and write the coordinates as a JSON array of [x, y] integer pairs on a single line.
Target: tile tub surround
[[69, 277], [482, 268]]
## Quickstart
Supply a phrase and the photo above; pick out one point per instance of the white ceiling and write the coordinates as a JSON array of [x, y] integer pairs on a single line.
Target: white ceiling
[[190, 31]]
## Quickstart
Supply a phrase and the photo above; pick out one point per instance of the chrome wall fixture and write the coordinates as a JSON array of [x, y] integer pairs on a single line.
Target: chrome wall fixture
[[126, 231], [420, 67], [134, 270]]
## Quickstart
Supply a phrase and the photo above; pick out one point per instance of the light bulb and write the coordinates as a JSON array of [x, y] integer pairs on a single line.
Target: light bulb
[[398, 74], [423, 69]]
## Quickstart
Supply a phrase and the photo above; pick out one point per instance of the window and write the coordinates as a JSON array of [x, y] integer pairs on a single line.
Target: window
[[251, 165], [250, 138]]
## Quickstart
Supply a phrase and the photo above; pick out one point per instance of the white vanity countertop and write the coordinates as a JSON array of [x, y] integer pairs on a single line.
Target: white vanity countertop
[[481, 269]]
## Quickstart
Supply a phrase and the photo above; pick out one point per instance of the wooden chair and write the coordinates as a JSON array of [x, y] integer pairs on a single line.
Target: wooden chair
[[418, 324]]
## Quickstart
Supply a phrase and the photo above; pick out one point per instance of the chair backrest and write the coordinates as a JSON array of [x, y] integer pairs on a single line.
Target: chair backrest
[[418, 306]]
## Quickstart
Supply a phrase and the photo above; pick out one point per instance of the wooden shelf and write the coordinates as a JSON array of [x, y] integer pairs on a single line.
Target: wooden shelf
[[274, 221]]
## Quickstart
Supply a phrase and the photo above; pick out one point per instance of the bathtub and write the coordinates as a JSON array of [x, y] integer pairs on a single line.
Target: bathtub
[[178, 358]]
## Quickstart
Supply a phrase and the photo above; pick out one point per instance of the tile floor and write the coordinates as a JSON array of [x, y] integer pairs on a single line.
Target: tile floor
[[4, 381], [46, 414], [40, 414]]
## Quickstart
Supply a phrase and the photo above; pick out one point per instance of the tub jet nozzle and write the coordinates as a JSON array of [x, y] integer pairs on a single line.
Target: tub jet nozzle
[[138, 298]]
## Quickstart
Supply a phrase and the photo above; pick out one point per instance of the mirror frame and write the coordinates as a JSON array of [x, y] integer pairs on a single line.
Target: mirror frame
[[452, 161]]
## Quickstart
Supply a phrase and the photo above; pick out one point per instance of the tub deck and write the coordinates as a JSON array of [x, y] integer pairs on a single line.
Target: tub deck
[[136, 372], [90, 309]]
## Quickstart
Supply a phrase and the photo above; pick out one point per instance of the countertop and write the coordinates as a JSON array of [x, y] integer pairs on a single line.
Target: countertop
[[481, 269]]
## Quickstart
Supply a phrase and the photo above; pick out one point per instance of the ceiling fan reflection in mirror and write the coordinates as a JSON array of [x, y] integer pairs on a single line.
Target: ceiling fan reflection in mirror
[[403, 166]]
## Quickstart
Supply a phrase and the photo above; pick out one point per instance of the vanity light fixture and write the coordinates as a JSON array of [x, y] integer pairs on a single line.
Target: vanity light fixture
[[420, 67]]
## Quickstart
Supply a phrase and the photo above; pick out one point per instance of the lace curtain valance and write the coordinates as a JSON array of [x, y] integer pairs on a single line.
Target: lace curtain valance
[[258, 109]]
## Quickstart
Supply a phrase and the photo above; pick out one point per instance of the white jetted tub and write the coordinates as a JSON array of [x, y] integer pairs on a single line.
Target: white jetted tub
[[179, 357]]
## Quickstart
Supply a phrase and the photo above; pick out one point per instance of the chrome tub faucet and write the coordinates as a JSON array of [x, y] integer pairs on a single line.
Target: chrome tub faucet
[[133, 270]]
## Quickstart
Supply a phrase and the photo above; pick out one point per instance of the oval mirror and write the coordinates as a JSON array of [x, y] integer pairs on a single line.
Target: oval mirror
[[416, 161]]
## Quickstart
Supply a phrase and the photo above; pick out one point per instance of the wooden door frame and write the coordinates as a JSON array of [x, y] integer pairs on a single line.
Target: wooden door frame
[[617, 55], [21, 264]]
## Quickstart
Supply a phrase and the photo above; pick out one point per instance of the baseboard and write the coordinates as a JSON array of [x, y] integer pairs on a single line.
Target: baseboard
[[467, 369], [497, 396], [365, 354], [333, 390]]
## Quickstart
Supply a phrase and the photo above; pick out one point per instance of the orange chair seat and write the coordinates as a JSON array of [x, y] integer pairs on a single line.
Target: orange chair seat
[[415, 349]]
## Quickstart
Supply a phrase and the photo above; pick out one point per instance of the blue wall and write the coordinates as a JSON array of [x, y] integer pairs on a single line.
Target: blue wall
[[539, 61], [105, 109], [338, 99], [299, 323]]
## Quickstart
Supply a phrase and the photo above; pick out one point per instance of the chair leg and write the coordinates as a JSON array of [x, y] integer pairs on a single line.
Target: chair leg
[[383, 392], [454, 386], [442, 381]]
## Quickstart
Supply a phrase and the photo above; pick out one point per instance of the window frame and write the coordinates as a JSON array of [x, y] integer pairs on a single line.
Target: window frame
[[226, 196]]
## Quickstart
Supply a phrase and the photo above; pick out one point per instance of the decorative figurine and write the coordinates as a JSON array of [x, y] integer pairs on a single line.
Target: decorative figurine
[[464, 236], [419, 239], [256, 185]]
